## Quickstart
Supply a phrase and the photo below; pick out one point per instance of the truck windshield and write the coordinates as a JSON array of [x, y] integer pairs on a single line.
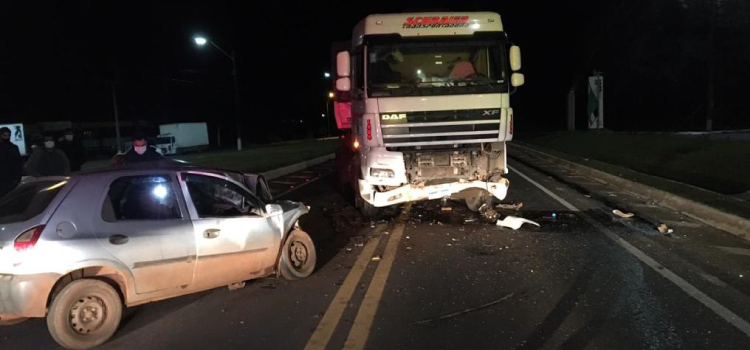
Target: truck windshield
[[436, 68]]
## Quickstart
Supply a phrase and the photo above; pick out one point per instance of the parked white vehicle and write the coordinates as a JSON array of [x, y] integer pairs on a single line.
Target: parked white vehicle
[[181, 137]]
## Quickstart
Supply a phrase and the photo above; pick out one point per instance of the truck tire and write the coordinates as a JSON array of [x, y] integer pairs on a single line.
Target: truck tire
[[474, 203], [85, 314], [298, 256], [368, 210]]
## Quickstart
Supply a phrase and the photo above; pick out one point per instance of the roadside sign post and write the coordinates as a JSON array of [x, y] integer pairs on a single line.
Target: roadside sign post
[[595, 107]]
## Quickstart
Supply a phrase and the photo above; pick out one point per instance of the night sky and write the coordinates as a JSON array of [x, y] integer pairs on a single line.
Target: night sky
[[58, 60]]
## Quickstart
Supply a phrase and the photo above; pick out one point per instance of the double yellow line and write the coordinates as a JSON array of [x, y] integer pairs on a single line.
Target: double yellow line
[[360, 330]]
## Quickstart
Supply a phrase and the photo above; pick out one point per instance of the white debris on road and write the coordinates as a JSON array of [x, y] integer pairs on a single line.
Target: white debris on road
[[515, 222]]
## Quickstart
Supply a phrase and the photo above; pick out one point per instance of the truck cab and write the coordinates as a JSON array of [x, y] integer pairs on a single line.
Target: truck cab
[[429, 100]]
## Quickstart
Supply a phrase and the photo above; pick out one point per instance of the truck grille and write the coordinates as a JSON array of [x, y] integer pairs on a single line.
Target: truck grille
[[440, 127]]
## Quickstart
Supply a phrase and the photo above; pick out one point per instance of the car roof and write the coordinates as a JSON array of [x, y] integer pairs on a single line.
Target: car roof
[[163, 165]]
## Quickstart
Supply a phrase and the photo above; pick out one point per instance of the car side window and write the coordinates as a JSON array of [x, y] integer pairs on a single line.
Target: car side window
[[146, 197], [214, 197]]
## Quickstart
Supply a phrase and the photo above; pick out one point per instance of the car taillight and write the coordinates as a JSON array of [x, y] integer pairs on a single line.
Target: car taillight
[[511, 124], [369, 130], [28, 239]]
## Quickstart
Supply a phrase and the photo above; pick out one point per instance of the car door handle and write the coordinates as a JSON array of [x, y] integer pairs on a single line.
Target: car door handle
[[211, 233], [118, 239]]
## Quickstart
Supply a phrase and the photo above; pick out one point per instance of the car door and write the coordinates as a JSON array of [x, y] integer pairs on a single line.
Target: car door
[[235, 240], [142, 225]]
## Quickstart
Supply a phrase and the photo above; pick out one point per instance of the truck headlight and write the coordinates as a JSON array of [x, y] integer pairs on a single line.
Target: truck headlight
[[374, 172]]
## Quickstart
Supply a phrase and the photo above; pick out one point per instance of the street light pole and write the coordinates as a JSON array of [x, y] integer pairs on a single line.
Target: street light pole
[[236, 101], [117, 118], [200, 41]]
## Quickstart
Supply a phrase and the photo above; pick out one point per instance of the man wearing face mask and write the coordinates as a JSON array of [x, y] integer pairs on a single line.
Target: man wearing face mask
[[11, 165], [74, 150], [48, 160], [141, 151]]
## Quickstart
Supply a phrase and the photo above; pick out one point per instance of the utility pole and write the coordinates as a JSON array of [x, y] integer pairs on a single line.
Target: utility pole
[[117, 118], [711, 67]]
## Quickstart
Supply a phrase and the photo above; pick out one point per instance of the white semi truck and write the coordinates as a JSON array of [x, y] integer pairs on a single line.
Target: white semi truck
[[425, 101]]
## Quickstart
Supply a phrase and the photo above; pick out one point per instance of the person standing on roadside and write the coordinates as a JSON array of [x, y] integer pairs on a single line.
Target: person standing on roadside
[[141, 151], [11, 165], [74, 150], [48, 160]]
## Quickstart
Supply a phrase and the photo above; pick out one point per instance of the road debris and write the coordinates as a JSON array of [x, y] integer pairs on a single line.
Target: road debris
[[515, 222], [235, 286], [408, 248], [622, 214], [446, 209], [510, 206], [664, 229], [376, 258], [465, 311]]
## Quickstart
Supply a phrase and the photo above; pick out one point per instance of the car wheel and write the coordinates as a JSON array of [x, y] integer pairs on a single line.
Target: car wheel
[[298, 256], [85, 314]]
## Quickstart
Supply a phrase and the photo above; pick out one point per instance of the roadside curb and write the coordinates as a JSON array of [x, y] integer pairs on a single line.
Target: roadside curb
[[731, 223], [272, 174]]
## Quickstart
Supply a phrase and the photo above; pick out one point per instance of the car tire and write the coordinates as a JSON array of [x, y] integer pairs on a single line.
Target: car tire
[[85, 314], [298, 256]]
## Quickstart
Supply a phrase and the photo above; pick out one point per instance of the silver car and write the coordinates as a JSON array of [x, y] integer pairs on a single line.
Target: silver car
[[77, 249]]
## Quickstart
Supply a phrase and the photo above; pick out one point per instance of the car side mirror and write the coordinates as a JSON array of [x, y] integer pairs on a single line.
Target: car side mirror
[[274, 210], [343, 64]]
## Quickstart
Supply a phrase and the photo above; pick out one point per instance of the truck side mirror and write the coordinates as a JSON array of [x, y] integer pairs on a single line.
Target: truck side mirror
[[515, 58], [343, 84], [517, 79], [343, 64]]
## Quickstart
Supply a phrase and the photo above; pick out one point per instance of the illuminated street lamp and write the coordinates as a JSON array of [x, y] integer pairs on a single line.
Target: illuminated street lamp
[[201, 41], [327, 75]]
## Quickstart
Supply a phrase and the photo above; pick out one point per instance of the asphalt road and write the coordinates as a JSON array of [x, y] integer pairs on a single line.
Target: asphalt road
[[440, 277]]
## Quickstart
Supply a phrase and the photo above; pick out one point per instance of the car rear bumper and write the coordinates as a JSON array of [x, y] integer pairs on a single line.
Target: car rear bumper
[[24, 296]]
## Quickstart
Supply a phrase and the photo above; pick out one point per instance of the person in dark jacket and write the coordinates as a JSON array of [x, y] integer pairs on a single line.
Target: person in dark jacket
[[11, 165], [141, 151], [74, 150], [47, 160]]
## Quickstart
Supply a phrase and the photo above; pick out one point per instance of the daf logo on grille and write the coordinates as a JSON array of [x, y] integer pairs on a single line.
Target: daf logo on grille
[[491, 112], [394, 116]]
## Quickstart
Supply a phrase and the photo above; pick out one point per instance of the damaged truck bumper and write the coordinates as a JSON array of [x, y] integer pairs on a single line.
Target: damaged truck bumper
[[412, 193]]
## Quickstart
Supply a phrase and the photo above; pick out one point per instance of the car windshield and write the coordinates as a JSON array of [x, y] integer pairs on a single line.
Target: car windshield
[[434, 68], [28, 200]]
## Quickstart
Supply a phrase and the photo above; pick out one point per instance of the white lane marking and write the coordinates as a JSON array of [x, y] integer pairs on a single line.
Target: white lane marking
[[688, 288], [330, 320], [738, 251], [565, 203], [366, 315]]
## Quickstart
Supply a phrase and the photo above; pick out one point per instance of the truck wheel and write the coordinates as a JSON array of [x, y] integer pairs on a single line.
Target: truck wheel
[[368, 210], [476, 202], [298, 256], [85, 314]]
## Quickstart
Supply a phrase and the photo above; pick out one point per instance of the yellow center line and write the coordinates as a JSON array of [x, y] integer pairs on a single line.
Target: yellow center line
[[363, 322], [332, 316]]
